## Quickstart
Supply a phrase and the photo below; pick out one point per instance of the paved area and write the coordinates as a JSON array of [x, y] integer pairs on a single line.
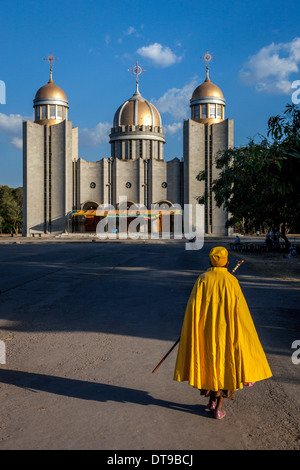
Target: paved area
[[85, 323]]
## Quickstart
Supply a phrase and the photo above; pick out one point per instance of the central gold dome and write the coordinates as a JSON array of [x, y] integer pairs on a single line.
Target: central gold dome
[[137, 111]]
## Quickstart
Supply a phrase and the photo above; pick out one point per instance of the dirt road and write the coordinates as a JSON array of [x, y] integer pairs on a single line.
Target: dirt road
[[84, 324]]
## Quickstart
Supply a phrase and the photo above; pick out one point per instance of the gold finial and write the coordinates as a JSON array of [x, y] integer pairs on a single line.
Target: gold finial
[[137, 70], [207, 58], [50, 59]]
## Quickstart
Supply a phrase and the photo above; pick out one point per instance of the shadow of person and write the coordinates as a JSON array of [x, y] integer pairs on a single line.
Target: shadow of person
[[84, 390]]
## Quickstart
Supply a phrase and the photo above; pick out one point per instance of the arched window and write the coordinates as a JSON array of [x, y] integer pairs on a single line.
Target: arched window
[[59, 112], [44, 112], [204, 110], [52, 111], [212, 110]]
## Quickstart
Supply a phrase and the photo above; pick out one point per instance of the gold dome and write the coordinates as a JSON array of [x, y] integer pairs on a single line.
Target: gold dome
[[50, 90], [50, 104], [207, 103], [137, 112], [207, 89]]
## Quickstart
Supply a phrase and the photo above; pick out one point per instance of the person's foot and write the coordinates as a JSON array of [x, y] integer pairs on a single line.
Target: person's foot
[[219, 414], [212, 405]]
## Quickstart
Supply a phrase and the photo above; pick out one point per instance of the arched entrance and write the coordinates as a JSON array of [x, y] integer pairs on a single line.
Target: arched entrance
[[166, 219], [86, 219], [91, 219], [121, 224]]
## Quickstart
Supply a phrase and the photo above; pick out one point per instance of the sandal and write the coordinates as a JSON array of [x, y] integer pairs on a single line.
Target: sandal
[[219, 414]]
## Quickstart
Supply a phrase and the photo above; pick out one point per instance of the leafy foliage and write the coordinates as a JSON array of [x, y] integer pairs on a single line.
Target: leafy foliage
[[11, 200]]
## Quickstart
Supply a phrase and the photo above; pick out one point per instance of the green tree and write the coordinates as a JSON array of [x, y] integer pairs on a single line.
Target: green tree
[[11, 201]]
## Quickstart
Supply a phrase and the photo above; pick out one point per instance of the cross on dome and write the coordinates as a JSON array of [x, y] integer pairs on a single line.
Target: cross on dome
[[137, 70], [50, 59], [207, 58]]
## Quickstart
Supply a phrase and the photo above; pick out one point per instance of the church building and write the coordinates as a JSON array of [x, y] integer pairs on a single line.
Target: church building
[[62, 191]]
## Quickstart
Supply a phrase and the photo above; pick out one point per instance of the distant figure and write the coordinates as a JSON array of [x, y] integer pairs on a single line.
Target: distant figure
[[268, 241], [275, 242], [219, 349], [237, 240], [292, 253]]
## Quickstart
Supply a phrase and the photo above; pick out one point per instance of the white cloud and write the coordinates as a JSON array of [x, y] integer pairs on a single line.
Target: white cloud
[[11, 127], [11, 124], [17, 142], [269, 70], [173, 128], [162, 56], [95, 136], [129, 31], [176, 100]]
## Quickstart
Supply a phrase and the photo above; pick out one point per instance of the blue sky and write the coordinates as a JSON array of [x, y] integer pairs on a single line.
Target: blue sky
[[256, 45]]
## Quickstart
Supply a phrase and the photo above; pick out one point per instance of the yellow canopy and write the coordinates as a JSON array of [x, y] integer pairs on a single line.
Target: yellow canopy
[[128, 213], [219, 347], [78, 213]]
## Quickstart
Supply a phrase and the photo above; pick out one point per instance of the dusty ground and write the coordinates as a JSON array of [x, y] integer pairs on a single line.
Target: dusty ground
[[273, 264], [84, 324]]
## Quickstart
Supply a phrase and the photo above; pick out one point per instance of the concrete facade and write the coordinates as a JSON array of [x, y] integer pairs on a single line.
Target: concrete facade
[[57, 182], [49, 155]]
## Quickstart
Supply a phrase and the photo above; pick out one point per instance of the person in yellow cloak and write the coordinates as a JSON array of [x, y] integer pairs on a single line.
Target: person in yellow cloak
[[219, 349]]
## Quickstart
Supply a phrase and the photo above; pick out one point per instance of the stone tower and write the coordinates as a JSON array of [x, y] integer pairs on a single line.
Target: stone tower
[[204, 135], [50, 150]]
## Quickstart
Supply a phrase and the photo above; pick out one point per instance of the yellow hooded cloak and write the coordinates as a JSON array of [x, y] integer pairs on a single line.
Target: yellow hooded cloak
[[219, 348]]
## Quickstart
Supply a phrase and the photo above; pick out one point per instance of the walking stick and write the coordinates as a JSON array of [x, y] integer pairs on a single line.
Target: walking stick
[[177, 341]]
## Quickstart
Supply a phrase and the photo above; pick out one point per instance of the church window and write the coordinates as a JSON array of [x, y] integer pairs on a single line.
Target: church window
[[130, 149], [212, 110], [128, 184], [38, 113], [59, 112], [219, 111], [196, 112], [44, 112], [141, 149], [93, 185], [204, 110], [52, 111], [164, 184]]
